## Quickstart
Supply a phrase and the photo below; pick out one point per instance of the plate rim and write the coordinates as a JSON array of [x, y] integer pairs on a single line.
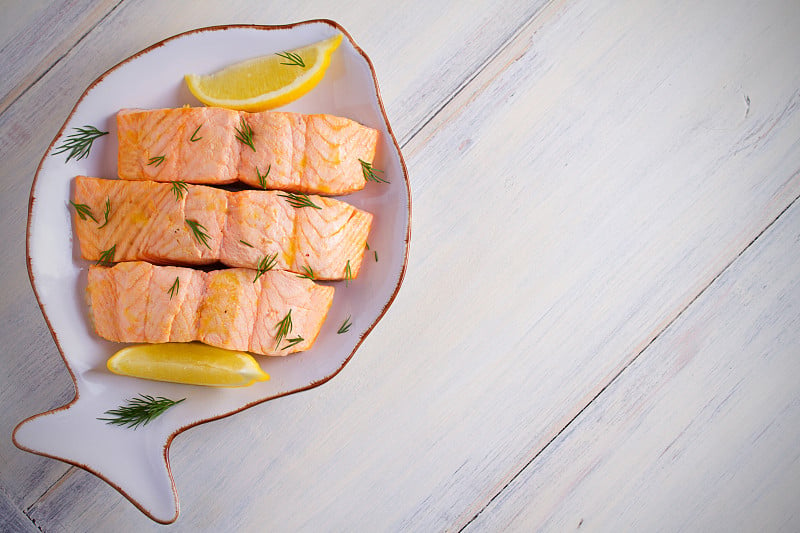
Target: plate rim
[[313, 384]]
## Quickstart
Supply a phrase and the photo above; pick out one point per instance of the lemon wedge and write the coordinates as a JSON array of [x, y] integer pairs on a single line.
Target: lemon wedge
[[192, 363], [265, 82]]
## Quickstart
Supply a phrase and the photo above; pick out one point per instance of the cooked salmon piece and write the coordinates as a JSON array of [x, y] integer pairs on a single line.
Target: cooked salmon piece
[[320, 242], [122, 292], [331, 241], [136, 300], [162, 311], [287, 298], [194, 145], [233, 309], [259, 224], [187, 294], [194, 225], [316, 154], [150, 221], [227, 313]]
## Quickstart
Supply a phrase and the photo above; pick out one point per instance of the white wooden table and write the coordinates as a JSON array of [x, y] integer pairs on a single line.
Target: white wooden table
[[599, 327]]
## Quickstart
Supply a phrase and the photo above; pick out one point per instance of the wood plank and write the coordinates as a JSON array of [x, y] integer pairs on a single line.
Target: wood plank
[[20, 14], [34, 35], [12, 519], [569, 203], [700, 432], [413, 66]]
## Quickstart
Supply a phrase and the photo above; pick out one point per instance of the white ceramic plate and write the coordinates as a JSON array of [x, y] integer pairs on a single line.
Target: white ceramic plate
[[136, 462]]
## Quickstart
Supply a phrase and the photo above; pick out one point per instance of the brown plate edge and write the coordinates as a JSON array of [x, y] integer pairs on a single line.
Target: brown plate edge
[[312, 385]]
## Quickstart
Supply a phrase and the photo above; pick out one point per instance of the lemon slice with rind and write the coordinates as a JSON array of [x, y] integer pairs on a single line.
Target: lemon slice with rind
[[191, 363], [265, 82]]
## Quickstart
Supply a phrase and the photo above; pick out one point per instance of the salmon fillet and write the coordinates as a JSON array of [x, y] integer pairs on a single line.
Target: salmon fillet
[[192, 142], [316, 154], [139, 302], [154, 222], [147, 221], [321, 242]]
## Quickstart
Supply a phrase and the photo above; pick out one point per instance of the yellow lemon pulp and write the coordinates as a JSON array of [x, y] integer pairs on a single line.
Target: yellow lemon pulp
[[192, 363], [265, 82]]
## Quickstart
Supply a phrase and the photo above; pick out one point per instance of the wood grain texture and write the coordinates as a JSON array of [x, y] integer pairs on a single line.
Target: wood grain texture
[[35, 35], [29, 124], [13, 520], [570, 201], [573, 197], [700, 433]]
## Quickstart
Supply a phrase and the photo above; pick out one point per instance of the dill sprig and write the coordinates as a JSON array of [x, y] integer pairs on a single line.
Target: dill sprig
[[199, 232], [139, 411], [192, 138], [267, 263], [106, 212], [179, 188], [299, 200], [107, 256], [157, 160], [246, 243], [308, 273], [83, 211], [345, 327], [292, 342], [262, 180], [244, 133], [176, 285], [80, 143], [284, 328], [293, 59], [348, 274], [376, 256], [369, 172]]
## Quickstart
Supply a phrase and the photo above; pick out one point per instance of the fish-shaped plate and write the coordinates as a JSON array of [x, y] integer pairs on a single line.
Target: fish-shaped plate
[[136, 462]]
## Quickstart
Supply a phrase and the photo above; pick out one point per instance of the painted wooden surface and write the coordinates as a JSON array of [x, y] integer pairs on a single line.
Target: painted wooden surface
[[725, 458], [12, 518], [36, 35], [591, 185]]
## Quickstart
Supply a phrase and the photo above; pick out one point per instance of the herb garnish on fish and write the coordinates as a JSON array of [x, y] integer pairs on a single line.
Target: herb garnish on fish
[[267, 263], [106, 212], [199, 232], [179, 188], [292, 342], [107, 256], [308, 273], [348, 274], [284, 328], [157, 160], [369, 172], [262, 180], [195, 133], [175, 287], [299, 200], [83, 211], [244, 133]]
